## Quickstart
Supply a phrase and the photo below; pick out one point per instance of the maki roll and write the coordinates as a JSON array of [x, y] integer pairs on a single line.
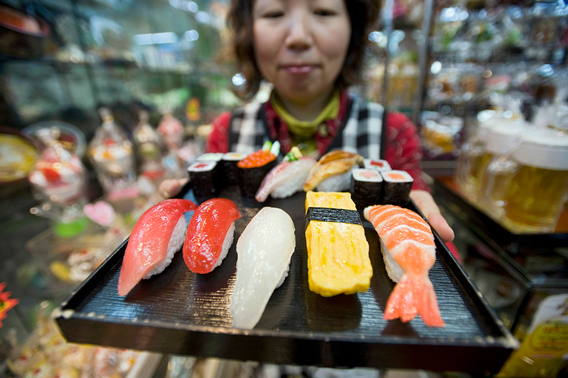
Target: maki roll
[[206, 178], [210, 157], [230, 161], [366, 187], [396, 187], [378, 165], [252, 169]]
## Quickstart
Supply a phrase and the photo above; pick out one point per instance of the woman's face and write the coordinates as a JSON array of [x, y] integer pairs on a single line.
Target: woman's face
[[300, 45]]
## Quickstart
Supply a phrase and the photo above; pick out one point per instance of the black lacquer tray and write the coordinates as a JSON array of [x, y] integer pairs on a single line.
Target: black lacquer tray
[[179, 312]]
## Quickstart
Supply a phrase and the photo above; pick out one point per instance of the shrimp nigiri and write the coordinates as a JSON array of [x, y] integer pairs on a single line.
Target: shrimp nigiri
[[210, 235], [408, 248], [157, 236]]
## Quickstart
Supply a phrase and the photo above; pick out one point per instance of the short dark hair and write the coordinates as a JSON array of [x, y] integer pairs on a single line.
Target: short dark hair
[[363, 15]]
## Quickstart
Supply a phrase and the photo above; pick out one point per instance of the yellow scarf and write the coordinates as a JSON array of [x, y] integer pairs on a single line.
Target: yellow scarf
[[306, 129]]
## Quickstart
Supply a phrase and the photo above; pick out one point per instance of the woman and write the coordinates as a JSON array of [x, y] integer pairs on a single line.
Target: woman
[[311, 51]]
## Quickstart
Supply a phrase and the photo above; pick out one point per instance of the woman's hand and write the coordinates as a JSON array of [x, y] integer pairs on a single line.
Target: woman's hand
[[171, 187], [428, 207]]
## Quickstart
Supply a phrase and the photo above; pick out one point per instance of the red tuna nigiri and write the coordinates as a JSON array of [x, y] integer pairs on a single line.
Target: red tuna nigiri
[[156, 237], [210, 235]]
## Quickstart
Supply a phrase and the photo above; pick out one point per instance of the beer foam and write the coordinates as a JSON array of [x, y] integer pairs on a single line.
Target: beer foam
[[544, 148], [505, 136]]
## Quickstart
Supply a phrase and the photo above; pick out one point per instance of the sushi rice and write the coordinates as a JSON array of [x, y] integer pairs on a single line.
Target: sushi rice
[[226, 245], [394, 270], [336, 183], [176, 241], [290, 187]]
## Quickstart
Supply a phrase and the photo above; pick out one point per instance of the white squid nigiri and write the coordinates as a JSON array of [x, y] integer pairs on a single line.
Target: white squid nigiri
[[264, 250]]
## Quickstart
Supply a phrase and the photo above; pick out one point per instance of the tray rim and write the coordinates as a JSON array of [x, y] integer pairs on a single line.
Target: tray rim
[[504, 342]]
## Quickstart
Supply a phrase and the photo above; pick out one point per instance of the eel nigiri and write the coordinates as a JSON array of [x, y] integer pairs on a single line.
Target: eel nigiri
[[287, 177], [264, 250], [331, 172], [338, 252], [210, 235], [156, 237], [408, 248]]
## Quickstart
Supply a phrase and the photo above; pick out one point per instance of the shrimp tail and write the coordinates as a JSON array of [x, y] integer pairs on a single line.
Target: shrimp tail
[[414, 294]]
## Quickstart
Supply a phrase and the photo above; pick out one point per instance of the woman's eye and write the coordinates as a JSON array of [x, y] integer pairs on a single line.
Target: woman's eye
[[273, 14], [324, 12]]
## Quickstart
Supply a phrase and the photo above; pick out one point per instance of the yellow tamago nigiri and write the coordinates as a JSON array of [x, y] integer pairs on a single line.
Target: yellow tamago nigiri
[[338, 252]]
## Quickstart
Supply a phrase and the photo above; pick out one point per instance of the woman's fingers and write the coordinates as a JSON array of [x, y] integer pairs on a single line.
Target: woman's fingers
[[428, 207], [169, 188], [439, 224]]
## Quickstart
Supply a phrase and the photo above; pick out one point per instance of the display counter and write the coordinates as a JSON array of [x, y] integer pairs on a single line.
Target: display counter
[[514, 271]]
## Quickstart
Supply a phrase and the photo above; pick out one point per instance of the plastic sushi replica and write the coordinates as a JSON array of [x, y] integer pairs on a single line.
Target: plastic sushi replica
[[408, 248], [338, 252], [157, 236], [252, 169], [396, 188], [287, 177], [264, 250], [332, 172], [366, 187], [210, 235]]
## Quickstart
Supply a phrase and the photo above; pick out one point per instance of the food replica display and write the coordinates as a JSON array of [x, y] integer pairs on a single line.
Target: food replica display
[[408, 249], [58, 181], [338, 252], [304, 283], [157, 236]]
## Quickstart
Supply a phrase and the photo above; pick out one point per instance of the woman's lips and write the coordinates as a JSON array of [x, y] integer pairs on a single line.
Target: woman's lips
[[299, 69]]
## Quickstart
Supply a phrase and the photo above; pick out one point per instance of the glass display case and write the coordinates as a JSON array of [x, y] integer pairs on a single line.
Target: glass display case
[[62, 61]]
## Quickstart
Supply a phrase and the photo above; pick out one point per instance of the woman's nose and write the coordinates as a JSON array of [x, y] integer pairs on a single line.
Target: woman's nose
[[299, 34]]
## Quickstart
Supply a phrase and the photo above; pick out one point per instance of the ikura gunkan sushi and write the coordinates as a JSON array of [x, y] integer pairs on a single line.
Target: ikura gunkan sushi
[[156, 237], [378, 165], [264, 250], [408, 248], [230, 161], [332, 172], [366, 187], [253, 168], [210, 235], [338, 252], [206, 178], [396, 187], [287, 177]]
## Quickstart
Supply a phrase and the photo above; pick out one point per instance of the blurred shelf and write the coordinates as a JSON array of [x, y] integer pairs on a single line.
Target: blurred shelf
[[106, 64], [435, 168]]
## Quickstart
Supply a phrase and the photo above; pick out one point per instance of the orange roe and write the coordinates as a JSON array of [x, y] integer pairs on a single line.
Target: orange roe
[[257, 159]]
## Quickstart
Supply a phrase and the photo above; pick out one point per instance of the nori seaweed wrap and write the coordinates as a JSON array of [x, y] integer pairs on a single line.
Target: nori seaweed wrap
[[230, 161], [206, 178], [396, 188], [366, 187], [252, 169]]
